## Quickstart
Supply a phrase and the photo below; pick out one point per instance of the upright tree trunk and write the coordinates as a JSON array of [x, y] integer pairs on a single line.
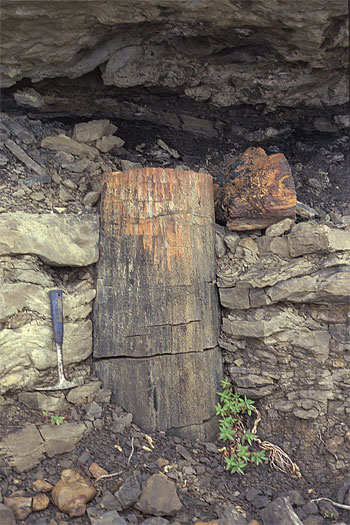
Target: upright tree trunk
[[156, 314]]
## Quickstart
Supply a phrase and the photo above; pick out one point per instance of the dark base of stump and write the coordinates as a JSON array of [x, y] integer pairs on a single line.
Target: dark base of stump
[[173, 393]]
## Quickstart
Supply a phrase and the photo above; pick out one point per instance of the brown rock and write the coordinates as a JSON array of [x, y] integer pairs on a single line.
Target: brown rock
[[21, 506], [72, 492], [162, 462], [41, 485], [333, 443], [96, 471], [159, 497], [260, 191], [40, 502]]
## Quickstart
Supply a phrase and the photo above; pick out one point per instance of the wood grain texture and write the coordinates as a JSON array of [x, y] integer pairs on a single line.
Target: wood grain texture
[[156, 291], [260, 191]]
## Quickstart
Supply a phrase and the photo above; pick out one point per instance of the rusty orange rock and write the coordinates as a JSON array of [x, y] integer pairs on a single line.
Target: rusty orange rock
[[260, 191], [72, 492]]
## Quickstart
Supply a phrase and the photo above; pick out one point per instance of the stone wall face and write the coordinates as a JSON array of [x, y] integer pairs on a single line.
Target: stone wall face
[[30, 247], [285, 323]]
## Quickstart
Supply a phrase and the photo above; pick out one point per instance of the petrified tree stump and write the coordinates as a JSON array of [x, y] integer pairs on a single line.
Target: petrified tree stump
[[259, 191], [156, 315]]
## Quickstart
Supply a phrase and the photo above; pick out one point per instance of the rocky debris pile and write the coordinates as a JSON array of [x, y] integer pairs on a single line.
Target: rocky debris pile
[[116, 474], [58, 168]]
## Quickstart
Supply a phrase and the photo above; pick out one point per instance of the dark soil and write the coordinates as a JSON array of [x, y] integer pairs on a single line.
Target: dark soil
[[204, 494]]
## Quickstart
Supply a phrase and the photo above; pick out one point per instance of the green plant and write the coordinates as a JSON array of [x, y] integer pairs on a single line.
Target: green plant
[[233, 410], [328, 515], [55, 420]]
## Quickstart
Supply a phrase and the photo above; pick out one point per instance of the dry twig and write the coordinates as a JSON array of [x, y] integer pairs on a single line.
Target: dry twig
[[132, 451], [340, 505], [104, 476]]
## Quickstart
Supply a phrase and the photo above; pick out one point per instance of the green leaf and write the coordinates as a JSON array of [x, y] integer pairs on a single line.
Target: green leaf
[[243, 452], [249, 405], [249, 436], [226, 433], [258, 457], [235, 464], [225, 383]]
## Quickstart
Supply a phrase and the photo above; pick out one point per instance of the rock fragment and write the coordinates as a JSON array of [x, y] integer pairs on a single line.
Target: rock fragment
[[72, 492], [21, 506], [68, 145], [159, 497]]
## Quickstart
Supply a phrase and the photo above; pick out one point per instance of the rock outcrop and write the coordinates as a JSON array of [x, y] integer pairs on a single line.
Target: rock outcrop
[[285, 323], [26, 340], [227, 53]]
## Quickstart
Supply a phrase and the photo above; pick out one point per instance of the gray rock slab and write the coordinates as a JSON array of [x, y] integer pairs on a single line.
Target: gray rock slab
[[68, 145], [83, 393], [59, 439], [159, 497], [40, 401], [106, 144], [59, 240], [23, 450], [93, 130], [128, 494], [309, 237], [280, 512], [101, 517]]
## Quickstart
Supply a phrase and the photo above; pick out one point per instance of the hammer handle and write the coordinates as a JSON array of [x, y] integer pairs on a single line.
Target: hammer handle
[[56, 301]]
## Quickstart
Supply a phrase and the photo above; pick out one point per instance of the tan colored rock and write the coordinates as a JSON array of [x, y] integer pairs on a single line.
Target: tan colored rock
[[309, 237], [106, 144], [21, 506], [24, 449], [93, 130], [96, 471], [6, 515], [60, 240], [159, 497], [63, 143], [72, 492], [84, 393], [41, 485], [62, 438], [40, 502]]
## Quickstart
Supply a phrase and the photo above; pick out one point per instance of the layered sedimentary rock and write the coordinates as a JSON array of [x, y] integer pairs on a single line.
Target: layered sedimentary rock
[[227, 53], [285, 327], [27, 349]]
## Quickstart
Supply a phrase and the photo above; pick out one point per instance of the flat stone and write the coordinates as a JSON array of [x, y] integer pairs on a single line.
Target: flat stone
[[101, 517], [96, 471], [57, 240], [109, 502], [84, 393], [156, 521], [41, 485], [6, 515], [308, 237], [25, 449], [62, 438], [93, 130], [280, 512], [40, 401], [21, 155], [279, 228], [68, 145], [108, 143], [159, 497]]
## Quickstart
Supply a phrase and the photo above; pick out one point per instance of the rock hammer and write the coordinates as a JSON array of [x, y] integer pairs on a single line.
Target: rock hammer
[[56, 302]]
